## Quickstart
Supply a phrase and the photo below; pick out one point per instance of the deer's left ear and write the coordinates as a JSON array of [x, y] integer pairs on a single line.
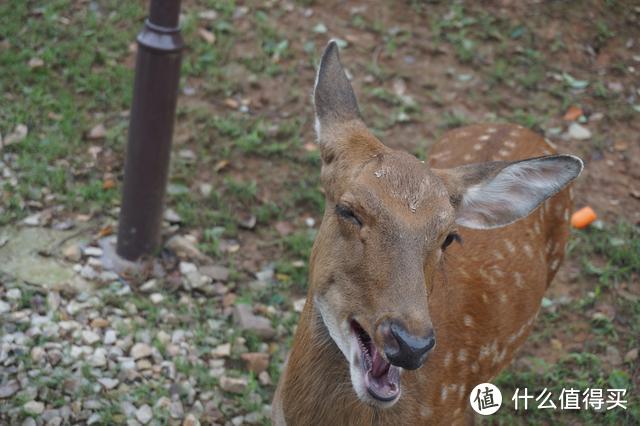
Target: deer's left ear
[[494, 194]]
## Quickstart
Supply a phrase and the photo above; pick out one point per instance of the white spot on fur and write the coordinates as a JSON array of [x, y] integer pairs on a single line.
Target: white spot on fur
[[503, 153], [492, 130], [536, 228], [484, 137], [528, 251], [510, 247], [485, 298], [443, 393], [447, 359], [477, 146], [555, 264], [509, 144], [475, 367], [468, 321], [518, 280], [462, 355], [467, 157], [566, 214], [461, 391], [498, 255], [503, 298]]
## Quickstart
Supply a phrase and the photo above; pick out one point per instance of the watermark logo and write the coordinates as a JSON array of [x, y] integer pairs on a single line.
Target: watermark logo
[[485, 399]]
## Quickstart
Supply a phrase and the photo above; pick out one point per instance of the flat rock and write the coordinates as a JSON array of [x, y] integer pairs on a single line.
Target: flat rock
[[247, 320], [4, 307], [144, 414], [9, 389], [216, 273], [20, 259], [222, 350], [108, 383], [140, 350], [90, 337], [579, 132], [233, 384], [33, 407]]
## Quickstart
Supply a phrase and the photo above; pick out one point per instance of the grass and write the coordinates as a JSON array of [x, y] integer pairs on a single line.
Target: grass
[[258, 164], [616, 251]]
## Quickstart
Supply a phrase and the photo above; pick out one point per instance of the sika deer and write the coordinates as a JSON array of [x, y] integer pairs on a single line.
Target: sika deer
[[424, 279]]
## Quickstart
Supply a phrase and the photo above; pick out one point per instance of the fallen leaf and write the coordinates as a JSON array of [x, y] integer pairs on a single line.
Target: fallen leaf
[[220, 165], [207, 35], [231, 103], [105, 231], [108, 184], [573, 113]]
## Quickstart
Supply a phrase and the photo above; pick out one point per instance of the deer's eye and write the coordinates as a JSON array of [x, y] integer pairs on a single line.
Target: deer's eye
[[451, 238], [347, 214]]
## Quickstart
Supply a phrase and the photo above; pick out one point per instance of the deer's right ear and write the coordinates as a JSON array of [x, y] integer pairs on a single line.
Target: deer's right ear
[[333, 96]]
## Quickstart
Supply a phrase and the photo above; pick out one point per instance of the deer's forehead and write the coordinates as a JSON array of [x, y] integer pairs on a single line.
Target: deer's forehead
[[402, 187]]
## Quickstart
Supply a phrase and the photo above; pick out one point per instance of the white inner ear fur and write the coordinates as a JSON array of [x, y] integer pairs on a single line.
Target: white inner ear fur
[[516, 191]]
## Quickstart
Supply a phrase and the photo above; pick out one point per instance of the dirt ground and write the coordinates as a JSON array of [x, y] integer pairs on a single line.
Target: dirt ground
[[244, 175]]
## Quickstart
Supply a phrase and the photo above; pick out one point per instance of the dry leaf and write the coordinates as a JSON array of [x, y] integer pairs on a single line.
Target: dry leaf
[[573, 113], [222, 164], [108, 184], [207, 35]]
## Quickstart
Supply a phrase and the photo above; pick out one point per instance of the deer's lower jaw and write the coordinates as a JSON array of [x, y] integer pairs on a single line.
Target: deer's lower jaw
[[381, 379]]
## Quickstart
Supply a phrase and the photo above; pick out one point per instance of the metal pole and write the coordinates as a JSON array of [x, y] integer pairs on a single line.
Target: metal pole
[[150, 130]]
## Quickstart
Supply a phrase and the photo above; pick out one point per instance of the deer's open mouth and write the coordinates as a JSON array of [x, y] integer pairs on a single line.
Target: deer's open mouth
[[380, 377]]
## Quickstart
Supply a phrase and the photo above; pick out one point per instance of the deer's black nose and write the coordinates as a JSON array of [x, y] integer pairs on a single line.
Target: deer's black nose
[[404, 349]]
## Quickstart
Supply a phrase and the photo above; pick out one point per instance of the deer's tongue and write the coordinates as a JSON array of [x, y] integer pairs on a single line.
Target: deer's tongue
[[383, 379]]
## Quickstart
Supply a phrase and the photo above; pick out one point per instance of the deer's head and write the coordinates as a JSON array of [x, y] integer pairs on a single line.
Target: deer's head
[[388, 220]]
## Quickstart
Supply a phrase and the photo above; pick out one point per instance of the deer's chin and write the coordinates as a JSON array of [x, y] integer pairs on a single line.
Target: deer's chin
[[375, 381]]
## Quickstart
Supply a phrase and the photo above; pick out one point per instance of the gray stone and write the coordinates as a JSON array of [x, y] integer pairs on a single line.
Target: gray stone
[[144, 414], [176, 410], [216, 273], [108, 383], [9, 389], [29, 422], [149, 286], [33, 407], [110, 337], [20, 259], [247, 320], [4, 307], [140, 350], [14, 294], [233, 384], [90, 337], [579, 132]]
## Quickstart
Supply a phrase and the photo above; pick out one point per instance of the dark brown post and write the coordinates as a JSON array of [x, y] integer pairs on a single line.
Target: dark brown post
[[150, 130]]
